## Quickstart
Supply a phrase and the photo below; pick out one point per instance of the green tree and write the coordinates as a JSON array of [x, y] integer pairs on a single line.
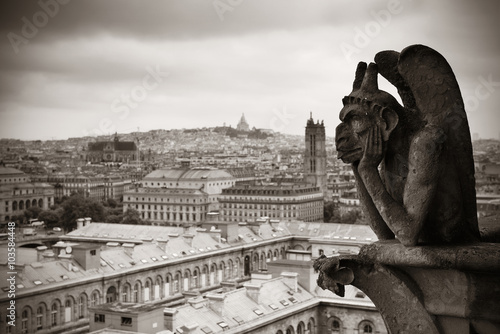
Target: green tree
[[114, 219], [77, 206], [132, 216]]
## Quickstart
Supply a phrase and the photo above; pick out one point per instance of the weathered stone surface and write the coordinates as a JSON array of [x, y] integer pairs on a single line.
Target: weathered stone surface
[[415, 176], [425, 190]]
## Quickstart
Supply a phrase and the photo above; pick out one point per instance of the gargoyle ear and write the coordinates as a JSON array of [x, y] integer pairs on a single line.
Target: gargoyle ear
[[343, 276], [391, 119]]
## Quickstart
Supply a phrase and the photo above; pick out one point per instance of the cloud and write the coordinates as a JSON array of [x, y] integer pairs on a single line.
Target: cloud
[[262, 57]]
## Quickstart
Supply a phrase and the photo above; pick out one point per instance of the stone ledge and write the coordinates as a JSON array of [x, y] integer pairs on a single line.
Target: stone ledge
[[478, 257]]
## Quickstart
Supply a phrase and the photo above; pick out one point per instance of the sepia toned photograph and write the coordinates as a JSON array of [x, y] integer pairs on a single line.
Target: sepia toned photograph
[[250, 166]]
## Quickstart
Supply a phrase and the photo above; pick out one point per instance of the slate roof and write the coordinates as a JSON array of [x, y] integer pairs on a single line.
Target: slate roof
[[189, 174], [239, 308]]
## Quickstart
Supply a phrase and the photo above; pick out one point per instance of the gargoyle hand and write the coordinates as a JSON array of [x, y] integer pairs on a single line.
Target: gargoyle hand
[[331, 276], [373, 152]]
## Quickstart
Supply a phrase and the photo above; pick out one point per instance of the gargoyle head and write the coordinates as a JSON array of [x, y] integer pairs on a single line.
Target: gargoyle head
[[331, 276], [364, 107]]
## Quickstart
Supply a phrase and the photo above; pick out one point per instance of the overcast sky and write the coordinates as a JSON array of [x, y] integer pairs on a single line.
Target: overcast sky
[[93, 67]]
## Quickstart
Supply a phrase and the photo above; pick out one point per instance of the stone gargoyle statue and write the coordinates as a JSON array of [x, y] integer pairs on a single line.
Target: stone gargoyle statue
[[413, 163]]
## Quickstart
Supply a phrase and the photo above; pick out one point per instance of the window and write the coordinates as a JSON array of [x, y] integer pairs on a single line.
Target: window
[[53, 314], [39, 318], [366, 327], [126, 321], [99, 318], [93, 252]]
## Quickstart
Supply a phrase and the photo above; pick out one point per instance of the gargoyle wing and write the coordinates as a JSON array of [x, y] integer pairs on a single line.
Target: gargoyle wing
[[428, 86]]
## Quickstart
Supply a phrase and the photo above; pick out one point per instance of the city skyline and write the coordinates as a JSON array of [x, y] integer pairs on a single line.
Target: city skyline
[[71, 69]]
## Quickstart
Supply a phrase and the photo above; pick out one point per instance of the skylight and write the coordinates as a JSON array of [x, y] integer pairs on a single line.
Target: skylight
[[223, 325], [164, 257], [144, 261], [238, 319], [154, 259], [206, 330], [284, 302], [292, 299], [258, 312], [38, 282], [274, 307]]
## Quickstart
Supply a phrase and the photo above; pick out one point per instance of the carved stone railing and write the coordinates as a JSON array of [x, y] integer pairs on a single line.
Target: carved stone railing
[[423, 289]]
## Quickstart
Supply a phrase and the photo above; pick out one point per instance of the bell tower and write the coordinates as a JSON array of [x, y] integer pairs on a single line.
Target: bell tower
[[315, 155]]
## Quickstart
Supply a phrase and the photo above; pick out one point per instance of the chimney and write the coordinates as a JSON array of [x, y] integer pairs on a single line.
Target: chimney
[[290, 279], [169, 315], [88, 220], [79, 223], [39, 253], [197, 302], [253, 291], [188, 238], [162, 243], [128, 247], [228, 286], [216, 302]]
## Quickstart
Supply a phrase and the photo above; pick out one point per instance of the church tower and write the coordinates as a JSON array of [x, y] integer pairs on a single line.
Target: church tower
[[315, 155]]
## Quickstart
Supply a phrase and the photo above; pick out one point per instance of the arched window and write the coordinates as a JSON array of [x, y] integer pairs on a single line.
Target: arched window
[[157, 287], [177, 279], [14, 205], [68, 310], [136, 292], [334, 325], [187, 280], [195, 282], [28, 204], [229, 269], [25, 321], [40, 317], [54, 314], [21, 205], [300, 328], [94, 299], [40, 203], [34, 202], [290, 330], [82, 306], [311, 326], [366, 327], [111, 294], [126, 293]]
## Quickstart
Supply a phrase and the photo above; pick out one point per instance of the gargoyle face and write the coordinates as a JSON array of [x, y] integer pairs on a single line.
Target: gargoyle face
[[351, 134]]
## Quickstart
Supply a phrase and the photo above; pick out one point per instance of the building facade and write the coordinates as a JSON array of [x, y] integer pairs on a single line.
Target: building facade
[[114, 151], [18, 193], [165, 266], [99, 188], [242, 124], [249, 203]]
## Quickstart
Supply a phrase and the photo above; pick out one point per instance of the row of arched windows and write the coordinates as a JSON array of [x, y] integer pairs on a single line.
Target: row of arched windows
[[335, 326], [56, 313], [21, 205], [301, 328]]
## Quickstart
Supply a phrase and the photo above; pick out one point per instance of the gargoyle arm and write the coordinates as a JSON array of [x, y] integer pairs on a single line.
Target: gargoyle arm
[[406, 220], [376, 221]]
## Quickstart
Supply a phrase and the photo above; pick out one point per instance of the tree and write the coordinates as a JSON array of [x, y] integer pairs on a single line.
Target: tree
[[114, 219], [50, 217], [331, 213], [132, 216], [351, 217], [77, 206], [111, 203], [32, 212]]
